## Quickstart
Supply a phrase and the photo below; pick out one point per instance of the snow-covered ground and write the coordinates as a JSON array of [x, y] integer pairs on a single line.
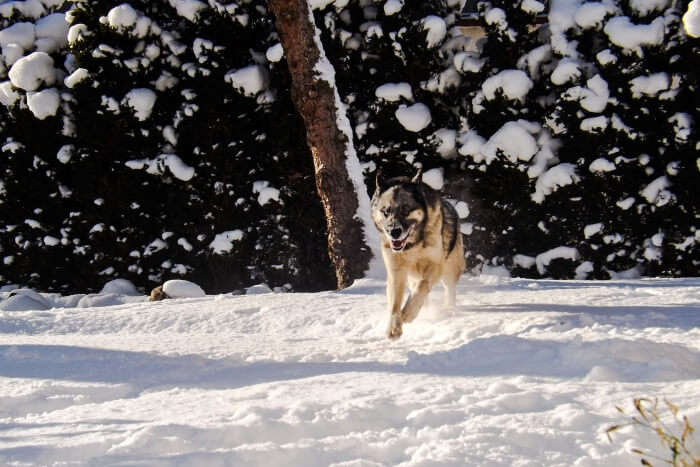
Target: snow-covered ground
[[521, 373]]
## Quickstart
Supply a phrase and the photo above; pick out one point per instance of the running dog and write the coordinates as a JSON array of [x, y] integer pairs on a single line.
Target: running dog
[[421, 244]]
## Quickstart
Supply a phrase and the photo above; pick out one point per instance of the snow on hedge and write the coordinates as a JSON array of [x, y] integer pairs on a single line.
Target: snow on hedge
[[691, 19], [414, 117], [31, 72], [141, 100], [44, 103], [393, 92], [513, 84], [250, 80]]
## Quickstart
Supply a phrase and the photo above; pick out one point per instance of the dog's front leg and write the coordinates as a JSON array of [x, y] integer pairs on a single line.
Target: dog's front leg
[[395, 287], [419, 294]]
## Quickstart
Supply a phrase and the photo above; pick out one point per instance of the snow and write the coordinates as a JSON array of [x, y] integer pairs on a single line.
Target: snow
[[223, 242], [594, 124], [30, 72], [593, 97], [656, 193], [122, 17], [391, 7], [520, 372], [437, 30], [532, 6], [44, 103], [275, 53], [566, 70], [446, 140], [250, 80], [623, 33], [52, 32], [558, 176], [142, 101], [691, 19], [413, 118], [514, 140], [119, 287], [434, 178], [466, 62], [266, 193], [649, 85], [8, 96], [592, 14], [179, 288], [514, 84], [76, 77], [592, 229], [563, 252], [601, 165], [644, 7], [393, 92], [23, 34], [188, 8], [157, 166]]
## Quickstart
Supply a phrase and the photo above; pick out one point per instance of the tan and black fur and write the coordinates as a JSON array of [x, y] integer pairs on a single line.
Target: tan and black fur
[[421, 244]]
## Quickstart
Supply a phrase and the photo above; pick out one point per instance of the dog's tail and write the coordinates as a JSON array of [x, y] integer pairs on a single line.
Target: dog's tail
[[450, 226]]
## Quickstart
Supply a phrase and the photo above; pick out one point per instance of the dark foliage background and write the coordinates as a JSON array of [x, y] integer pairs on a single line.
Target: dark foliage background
[[98, 191]]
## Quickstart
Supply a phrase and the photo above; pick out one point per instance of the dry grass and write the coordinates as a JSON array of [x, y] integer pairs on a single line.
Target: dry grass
[[678, 439]]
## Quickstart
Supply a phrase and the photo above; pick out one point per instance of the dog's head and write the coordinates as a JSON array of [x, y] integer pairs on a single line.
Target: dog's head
[[399, 210]]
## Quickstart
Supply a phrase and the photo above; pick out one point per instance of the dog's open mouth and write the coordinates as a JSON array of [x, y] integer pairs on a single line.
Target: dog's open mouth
[[398, 245]]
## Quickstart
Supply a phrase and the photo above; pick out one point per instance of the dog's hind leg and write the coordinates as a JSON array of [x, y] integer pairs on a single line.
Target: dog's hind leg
[[449, 282]]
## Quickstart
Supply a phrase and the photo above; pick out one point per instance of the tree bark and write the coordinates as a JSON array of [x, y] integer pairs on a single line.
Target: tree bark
[[315, 99]]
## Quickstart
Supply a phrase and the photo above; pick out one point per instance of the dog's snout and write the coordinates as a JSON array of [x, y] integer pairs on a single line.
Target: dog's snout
[[396, 233]]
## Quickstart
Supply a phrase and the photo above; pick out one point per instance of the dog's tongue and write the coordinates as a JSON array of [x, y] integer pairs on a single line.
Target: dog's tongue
[[397, 244]]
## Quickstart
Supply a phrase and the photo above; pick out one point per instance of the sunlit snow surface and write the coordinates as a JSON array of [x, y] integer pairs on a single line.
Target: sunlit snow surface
[[521, 372]]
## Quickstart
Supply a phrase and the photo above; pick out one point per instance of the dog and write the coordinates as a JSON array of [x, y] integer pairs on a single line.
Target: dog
[[421, 244]]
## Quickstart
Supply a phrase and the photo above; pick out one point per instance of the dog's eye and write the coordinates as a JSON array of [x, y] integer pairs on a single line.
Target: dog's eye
[[405, 210]]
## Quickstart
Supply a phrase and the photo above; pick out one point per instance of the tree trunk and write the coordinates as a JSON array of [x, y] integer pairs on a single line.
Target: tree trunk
[[314, 95]]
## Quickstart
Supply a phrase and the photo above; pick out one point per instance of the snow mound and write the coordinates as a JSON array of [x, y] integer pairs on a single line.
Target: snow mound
[[179, 288], [120, 287]]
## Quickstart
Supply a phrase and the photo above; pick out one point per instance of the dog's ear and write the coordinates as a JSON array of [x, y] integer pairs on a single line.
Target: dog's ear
[[417, 178], [378, 185]]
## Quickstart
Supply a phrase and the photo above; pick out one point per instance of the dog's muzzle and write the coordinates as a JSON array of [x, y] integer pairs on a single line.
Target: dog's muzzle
[[398, 239]]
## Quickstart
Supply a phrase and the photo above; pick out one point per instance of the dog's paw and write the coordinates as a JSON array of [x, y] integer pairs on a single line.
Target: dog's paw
[[394, 330]]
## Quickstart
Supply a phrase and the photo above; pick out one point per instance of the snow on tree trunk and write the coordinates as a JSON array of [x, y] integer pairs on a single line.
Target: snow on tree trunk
[[338, 174]]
